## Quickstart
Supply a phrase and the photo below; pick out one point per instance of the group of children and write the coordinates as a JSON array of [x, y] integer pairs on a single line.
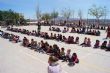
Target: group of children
[[93, 26], [104, 45], [45, 35], [13, 38], [55, 29], [85, 31], [43, 47], [82, 30], [86, 43], [23, 31], [52, 50], [60, 37]]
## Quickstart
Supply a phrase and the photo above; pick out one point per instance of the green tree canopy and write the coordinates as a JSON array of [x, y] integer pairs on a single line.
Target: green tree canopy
[[98, 12], [46, 16], [11, 17], [66, 13], [54, 14]]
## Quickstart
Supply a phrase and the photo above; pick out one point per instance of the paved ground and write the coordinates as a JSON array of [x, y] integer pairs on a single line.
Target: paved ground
[[17, 59]]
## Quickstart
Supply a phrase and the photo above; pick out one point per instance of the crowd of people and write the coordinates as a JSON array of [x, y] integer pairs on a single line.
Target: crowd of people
[[54, 51], [82, 30], [60, 37], [93, 26], [44, 47], [45, 35], [13, 38], [57, 29]]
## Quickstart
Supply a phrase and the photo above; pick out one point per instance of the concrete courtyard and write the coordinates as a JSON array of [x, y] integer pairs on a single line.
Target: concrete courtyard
[[15, 58]]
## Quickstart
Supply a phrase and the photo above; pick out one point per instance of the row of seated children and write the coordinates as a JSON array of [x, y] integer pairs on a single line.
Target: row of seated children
[[93, 32], [83, 31], [97, 27], [45, 35], [80, 31], [69, 40], [59, 37], [104, 45], [72, 59], [58, 29], [44, 47], [23, 31], [11, 37], [55, 29], [54, 50]]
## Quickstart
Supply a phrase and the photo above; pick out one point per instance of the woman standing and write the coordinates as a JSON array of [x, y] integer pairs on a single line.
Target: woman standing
[[54, 66]]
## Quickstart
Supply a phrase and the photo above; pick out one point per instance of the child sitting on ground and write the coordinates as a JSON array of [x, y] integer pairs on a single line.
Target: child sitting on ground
[[88, 43], [64, 30], [103, 46], [73, 30], [74, 59], [64, 39], [77, 40], [32, 44], [67, 56], [97, 44], [26, 42], [62, 53], [49, 50], [98, 33], [85, 42]]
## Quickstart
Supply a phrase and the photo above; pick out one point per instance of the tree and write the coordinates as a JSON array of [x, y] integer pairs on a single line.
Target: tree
[[66, 13], [54, 15], [38, 12], [22, 20], [98, 12], [46, 16], [73, 12], [105, 13], [10, 17], [80, 16]]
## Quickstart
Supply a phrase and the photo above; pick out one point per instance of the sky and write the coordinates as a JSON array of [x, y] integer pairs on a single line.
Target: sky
[[28, 7]]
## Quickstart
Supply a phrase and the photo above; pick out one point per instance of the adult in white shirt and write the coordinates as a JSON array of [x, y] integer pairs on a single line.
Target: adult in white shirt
[[54, 66]]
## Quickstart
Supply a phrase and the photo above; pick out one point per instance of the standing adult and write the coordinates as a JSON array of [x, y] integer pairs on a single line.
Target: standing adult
[[108, 32], [39, 28], [54, 66]]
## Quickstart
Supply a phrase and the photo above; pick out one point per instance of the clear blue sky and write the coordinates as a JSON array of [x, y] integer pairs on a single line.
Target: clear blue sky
[[28, 7]]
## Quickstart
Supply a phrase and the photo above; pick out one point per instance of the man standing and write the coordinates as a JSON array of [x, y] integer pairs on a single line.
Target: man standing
[[39, 28]]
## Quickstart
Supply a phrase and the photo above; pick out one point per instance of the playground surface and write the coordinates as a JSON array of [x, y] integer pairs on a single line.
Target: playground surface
[[15, 58]]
